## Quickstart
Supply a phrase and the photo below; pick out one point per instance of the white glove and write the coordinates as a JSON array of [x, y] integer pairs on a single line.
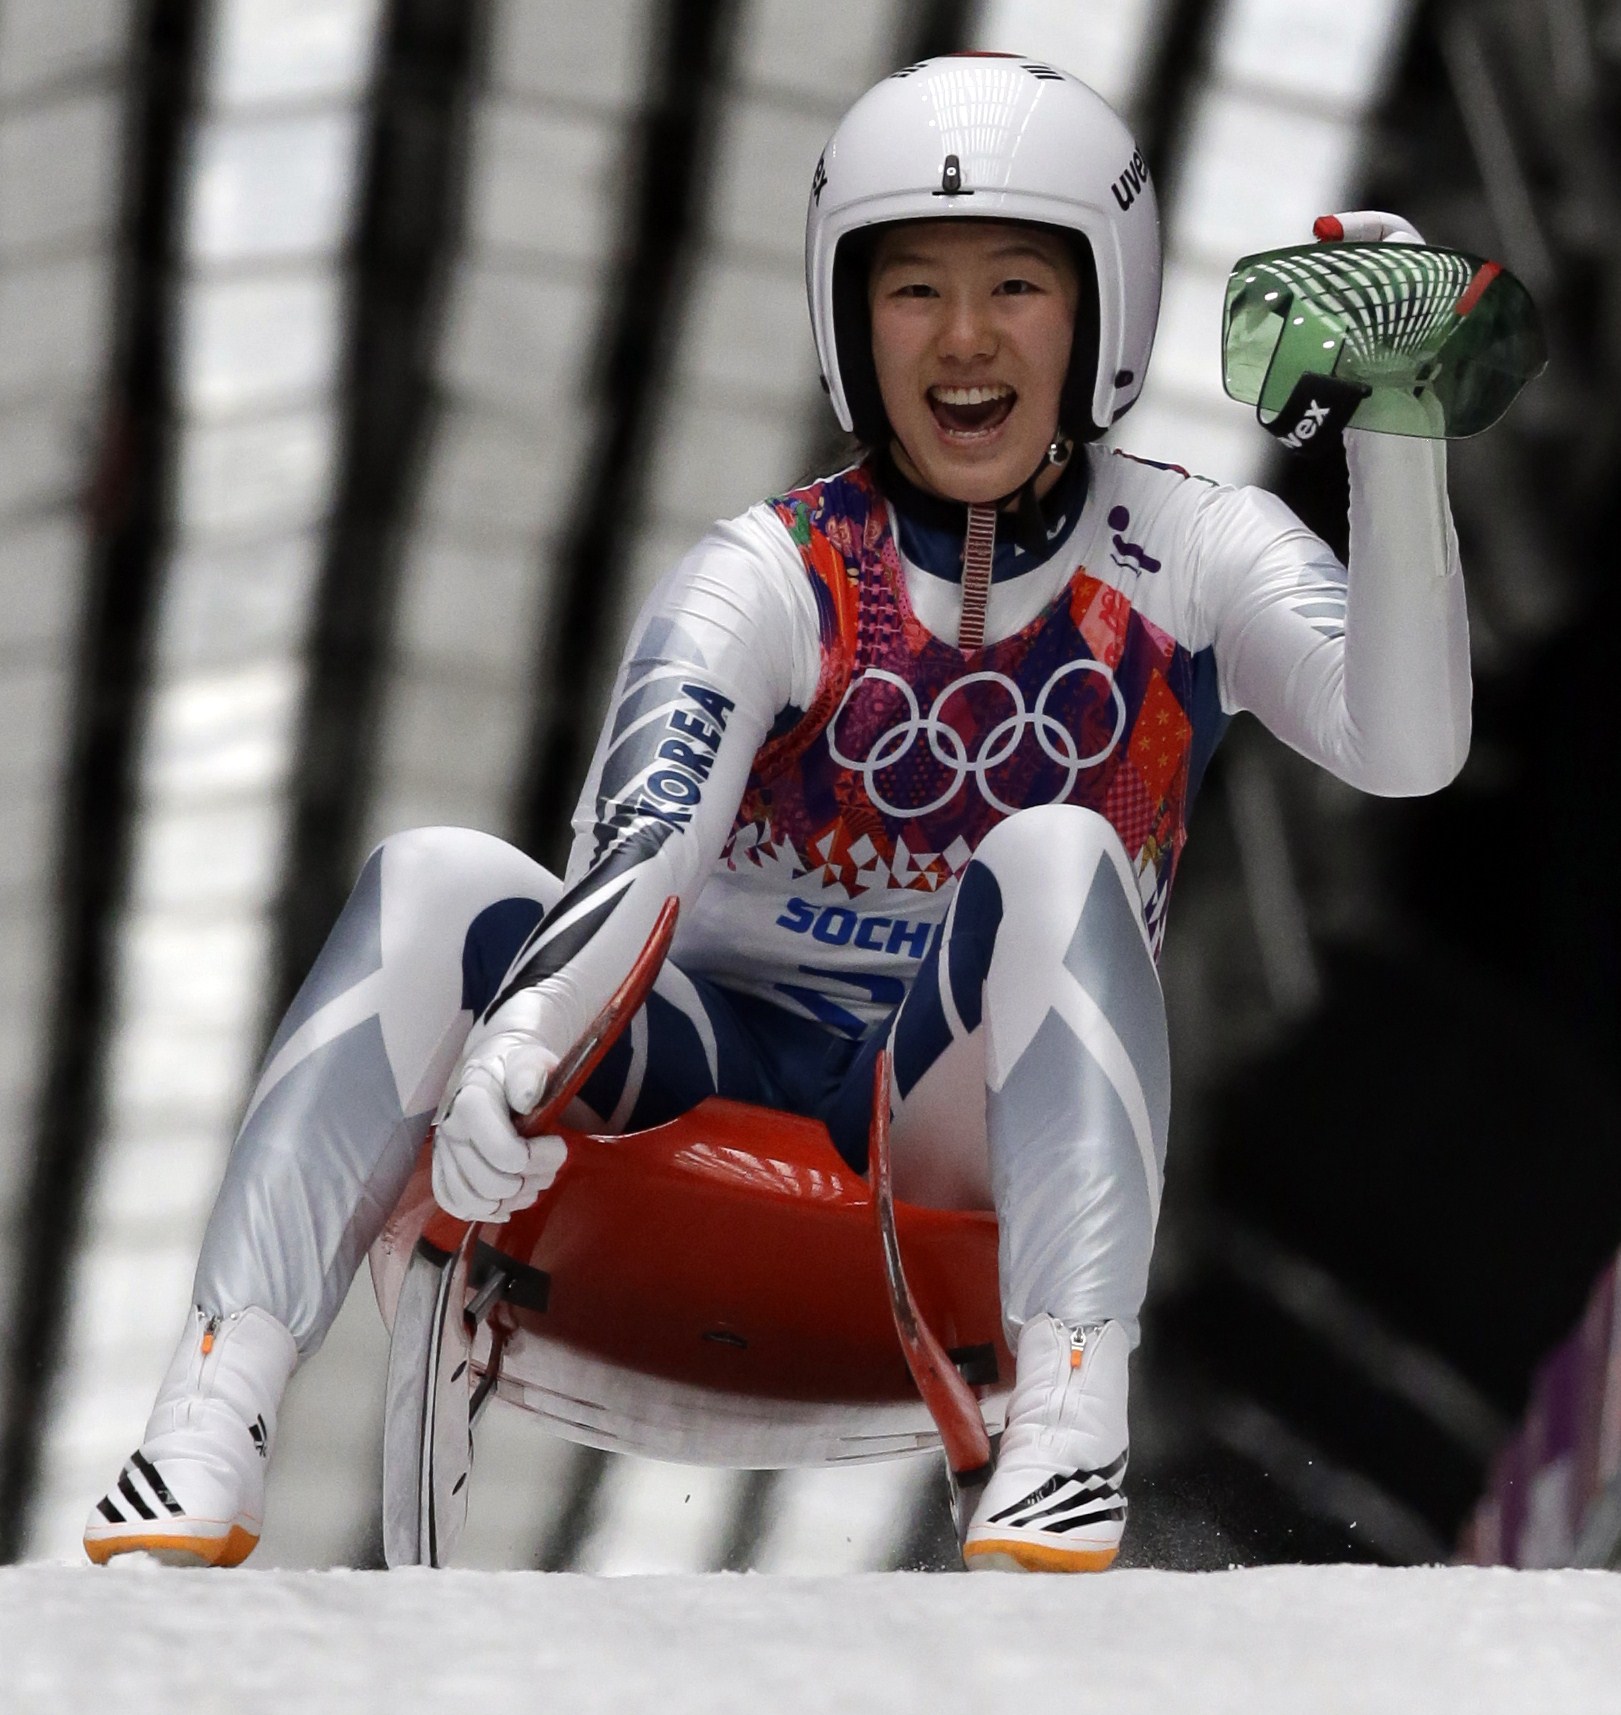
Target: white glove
[[1365, 226], [482, 1169]]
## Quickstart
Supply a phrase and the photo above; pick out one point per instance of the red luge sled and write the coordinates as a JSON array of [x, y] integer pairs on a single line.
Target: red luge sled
[[723, 1289]]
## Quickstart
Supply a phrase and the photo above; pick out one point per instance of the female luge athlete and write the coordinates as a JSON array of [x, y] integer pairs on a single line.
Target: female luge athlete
[[915, 745]]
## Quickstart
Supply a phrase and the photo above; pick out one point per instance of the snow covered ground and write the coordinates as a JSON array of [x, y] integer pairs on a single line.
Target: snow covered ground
[[1306, 1640]]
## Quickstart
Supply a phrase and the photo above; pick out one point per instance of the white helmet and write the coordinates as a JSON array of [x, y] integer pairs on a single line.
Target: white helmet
[[988, 137]]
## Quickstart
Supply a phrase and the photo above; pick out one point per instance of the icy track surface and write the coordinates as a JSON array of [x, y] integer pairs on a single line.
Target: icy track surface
[[1299, 1639]]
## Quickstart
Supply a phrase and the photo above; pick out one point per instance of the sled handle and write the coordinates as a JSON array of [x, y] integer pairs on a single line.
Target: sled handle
[[950, 1400], [571, 1072]]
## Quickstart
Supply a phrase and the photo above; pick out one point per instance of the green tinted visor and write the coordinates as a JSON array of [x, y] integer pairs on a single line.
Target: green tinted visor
[[1441, 341]]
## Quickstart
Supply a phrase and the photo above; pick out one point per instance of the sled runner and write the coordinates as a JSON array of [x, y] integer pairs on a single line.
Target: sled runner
[[721, 1290]]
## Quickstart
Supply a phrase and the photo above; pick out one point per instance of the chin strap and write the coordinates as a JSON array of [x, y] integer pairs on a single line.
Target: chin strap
[[979, 540]]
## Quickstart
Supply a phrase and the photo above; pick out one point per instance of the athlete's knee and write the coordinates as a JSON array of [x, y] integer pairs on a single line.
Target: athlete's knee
[[1070, 911], [425, 869], [1045, 840], [417, 853], [1047, 861], [1024, 894]]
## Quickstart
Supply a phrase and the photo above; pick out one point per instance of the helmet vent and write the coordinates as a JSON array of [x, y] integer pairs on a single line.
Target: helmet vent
[[905, 71], [1042, 71]]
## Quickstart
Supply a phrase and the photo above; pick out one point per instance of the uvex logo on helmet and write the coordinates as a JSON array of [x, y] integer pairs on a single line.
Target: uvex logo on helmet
[[1131, 181]]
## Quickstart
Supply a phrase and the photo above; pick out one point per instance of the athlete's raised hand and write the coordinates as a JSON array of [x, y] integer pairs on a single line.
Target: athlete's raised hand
[[482, 1169], [1365, 226]]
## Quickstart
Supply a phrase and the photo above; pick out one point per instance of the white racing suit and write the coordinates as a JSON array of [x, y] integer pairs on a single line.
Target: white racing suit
[[876, 837]]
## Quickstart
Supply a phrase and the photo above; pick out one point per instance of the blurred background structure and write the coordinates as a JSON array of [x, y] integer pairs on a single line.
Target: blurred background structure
[[362, 362]]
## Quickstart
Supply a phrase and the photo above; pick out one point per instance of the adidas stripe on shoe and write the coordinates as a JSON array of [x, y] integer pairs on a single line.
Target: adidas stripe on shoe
[[1055, 1502], [1070, 1523], [141, 1514], [193, 1492]]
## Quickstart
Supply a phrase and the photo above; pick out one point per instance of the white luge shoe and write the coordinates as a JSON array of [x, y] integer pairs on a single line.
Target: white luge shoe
[[194, 1491], [1054, 1502]]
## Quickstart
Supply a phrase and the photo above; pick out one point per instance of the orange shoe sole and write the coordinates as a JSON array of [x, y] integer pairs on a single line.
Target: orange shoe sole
[[1008, 1554], [228, 1550]]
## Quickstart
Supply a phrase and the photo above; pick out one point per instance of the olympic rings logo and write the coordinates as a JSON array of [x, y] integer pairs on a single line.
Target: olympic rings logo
[[996, 746]]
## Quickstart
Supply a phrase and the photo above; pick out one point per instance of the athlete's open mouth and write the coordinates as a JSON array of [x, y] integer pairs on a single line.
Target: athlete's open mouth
[[972, 410]]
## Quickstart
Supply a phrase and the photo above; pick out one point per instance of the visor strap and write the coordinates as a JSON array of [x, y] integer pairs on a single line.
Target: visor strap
[[1315, 413], [978, 556]]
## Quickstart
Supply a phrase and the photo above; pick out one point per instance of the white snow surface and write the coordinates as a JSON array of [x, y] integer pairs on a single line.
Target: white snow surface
[[1324, 1639]]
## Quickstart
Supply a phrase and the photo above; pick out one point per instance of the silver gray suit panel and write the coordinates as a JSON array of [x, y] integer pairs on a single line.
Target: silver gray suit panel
[[1110, 960], [1076, 1226], [327, 1145], [312, 1178], [353, 951]]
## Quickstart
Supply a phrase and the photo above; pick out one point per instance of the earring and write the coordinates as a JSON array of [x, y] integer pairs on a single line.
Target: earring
[[1058, 453]]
